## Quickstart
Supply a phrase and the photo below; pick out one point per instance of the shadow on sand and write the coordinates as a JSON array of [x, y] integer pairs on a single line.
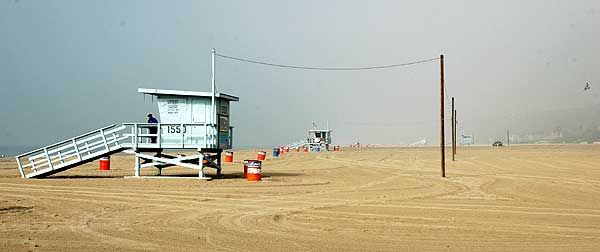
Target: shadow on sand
[[83, 176], [234, 175]]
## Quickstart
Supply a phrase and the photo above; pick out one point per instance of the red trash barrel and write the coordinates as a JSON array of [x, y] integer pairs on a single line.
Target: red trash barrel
[[105, 164], [254, 170], [229, 156], [262, 155]]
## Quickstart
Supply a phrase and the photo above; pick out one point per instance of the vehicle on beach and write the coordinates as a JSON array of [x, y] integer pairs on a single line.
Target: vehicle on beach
[[497, 143]]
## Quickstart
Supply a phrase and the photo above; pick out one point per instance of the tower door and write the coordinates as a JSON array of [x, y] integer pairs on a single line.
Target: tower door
[[200, 111]]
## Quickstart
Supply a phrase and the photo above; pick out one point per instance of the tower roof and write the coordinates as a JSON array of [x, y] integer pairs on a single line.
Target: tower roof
[[153, 91]]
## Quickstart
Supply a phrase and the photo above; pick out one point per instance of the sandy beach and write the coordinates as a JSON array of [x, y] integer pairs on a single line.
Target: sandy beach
[[521, 198]]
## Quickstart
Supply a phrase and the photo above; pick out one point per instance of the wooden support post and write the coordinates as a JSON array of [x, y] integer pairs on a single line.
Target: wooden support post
[[201, 162], [137, 165], [442, 142], [219, 164], [159, 154]]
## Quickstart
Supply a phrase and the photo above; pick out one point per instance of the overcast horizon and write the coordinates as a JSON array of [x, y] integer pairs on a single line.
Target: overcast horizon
[[69, 67]]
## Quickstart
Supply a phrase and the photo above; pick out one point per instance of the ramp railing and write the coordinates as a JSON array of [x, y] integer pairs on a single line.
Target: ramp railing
[[111, 139], [64, 154], [297, 144]]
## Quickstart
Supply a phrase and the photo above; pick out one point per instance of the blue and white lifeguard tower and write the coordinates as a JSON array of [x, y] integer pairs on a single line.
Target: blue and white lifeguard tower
[[319, 138], [189, 121]]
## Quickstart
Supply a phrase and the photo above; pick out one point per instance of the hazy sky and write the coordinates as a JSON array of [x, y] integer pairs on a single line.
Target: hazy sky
[[68, 67]]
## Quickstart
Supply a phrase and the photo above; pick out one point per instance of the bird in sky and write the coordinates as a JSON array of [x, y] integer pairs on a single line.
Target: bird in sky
[[587, 87]]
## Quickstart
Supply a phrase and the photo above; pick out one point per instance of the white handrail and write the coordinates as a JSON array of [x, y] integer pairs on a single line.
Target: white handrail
[[48, 161], [62, 142], [78, 141], [49, 156]]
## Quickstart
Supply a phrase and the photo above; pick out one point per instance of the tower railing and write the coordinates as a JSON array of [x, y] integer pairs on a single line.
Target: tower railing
[[170, 135]]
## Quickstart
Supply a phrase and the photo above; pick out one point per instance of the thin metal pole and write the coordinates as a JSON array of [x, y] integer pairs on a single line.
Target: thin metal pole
[[455, 129], [442, 142], [213, 109], [507, 138], [453, 136]]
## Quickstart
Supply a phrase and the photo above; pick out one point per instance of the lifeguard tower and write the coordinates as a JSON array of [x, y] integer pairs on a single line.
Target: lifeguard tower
[[319, 138], [189, 121]]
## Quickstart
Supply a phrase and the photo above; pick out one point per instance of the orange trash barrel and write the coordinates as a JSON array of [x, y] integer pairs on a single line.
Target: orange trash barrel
[[286, 149], [262, 155], [229, 156], [254, 170], [305, 149], [105, 164], [297, 149]]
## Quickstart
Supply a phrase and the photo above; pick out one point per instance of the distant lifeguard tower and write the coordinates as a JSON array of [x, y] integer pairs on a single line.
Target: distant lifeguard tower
[[319, 138], [467, 140]]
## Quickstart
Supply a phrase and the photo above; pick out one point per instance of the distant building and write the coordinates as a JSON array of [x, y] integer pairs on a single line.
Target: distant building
[[467, 140]]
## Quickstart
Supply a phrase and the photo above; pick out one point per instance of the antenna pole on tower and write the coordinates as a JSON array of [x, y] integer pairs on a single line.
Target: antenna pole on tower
[[214, 111]]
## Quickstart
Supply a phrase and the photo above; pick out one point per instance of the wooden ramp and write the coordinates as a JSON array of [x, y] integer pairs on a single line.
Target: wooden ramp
[[70, 153]]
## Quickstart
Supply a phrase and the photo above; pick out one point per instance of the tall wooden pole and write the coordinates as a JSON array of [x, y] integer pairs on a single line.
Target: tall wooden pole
[[453, 136], [442, 142], [507, 138]]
